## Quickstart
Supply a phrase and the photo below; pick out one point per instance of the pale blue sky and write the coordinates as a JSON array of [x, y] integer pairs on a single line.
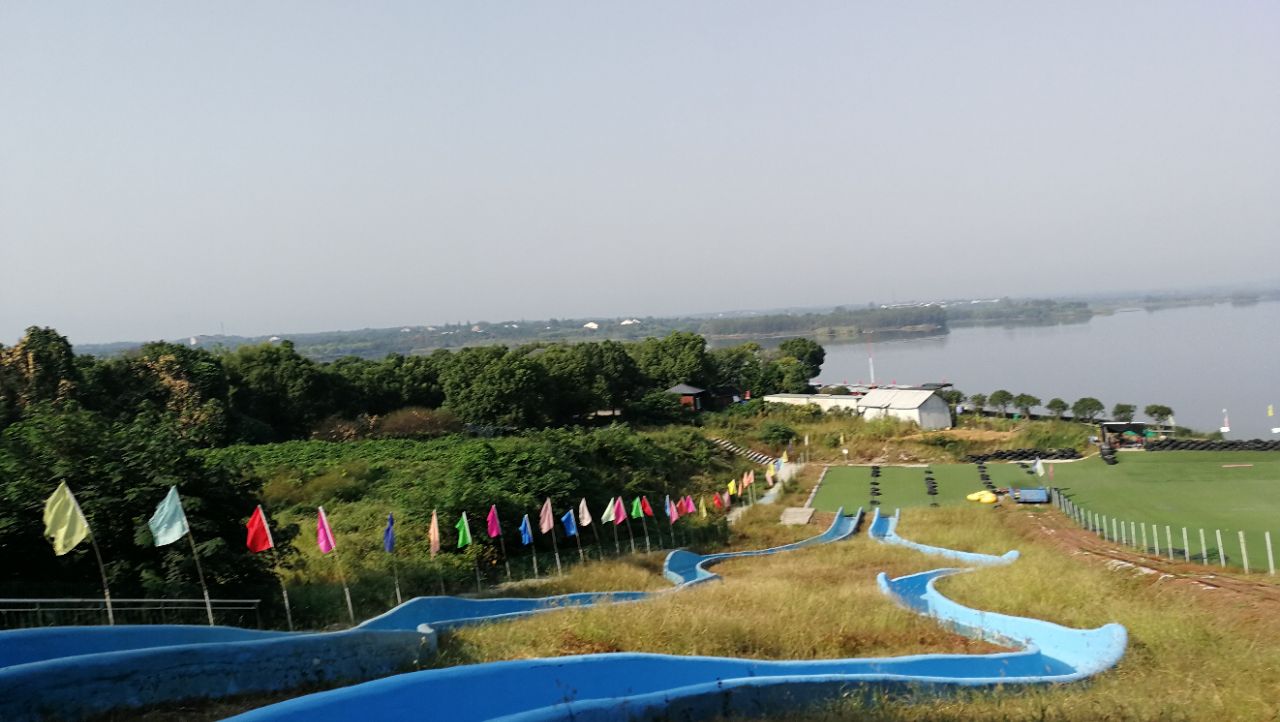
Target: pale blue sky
[[167, 168]]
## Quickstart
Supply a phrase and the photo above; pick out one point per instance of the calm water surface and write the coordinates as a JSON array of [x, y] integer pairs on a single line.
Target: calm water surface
[[1196, 360]]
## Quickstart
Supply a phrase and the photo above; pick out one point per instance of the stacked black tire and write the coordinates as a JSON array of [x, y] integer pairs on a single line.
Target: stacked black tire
[[875, 486], [1026, 455], [1200, 445], [984, 476], [1108, 455], [930, 487]]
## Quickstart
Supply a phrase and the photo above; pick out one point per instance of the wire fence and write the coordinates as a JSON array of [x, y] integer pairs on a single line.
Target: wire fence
[[54, 611], [1251, 551]]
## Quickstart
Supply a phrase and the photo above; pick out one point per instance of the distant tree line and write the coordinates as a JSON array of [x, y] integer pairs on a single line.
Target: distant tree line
[[1085, 409]]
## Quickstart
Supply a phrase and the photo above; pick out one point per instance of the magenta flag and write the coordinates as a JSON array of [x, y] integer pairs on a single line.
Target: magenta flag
[[546, 520], [324, 535], [619, 512], [494, 528]]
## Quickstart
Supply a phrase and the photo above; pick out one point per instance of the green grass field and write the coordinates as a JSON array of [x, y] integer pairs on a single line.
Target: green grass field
[[1177, 489], [902, 486]]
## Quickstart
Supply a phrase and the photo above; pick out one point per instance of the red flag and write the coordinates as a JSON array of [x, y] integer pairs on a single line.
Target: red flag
[[715, 499], [644, 506], [259, 539]]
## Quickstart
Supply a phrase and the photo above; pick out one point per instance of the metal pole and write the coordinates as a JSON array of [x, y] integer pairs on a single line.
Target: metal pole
[[506, 561], [476, 564], [578, 538], [1271, 560], [645, 526], [1244, 552], [208, 605], [395, 575], [534, 555], [351, 610], [599, 547], [632, 534], [555, 549], [106, 590], [616, 546], [288, 613]]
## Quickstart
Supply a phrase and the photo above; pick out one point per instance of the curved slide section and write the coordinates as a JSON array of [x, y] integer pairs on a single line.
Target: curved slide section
[[684, 568], [884, 529], [653, 686], [442, 613]]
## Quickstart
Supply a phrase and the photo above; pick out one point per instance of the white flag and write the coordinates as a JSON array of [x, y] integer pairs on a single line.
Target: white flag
[[1039, 467], [609, 513], [584, 515]]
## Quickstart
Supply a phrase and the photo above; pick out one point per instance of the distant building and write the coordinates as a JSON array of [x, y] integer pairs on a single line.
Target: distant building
[[589, 325], [703, 400], [920, 406]]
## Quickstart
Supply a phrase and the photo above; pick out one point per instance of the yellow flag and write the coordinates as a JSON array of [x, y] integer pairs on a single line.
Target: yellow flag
[[64, 523], [784, 457], [1271, 410], [733, 488]]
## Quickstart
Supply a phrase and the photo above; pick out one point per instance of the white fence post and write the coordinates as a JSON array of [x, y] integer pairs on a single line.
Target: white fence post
[[1113, 529], [1271, 560], [1186, 546], [1133, 534], [1102, 530], [1222, 553], [1145, 545], [1244, 552], [1155, 537], [1168, 540], [1204, 549], [1123, 539]]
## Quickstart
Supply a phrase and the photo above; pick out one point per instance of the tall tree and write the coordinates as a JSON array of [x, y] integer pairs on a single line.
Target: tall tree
[[1024, 403], [1001, 400], [807, 352], [979, 402], [1158, 413], [1057, 407], [1086, 409], [1123, 412]]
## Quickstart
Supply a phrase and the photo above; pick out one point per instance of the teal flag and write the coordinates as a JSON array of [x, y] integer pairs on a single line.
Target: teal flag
[[169, 523]]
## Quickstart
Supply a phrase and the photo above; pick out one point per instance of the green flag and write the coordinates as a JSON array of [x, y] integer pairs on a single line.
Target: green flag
[[169, 523], [464, 531], [636, 510], [64, 523]]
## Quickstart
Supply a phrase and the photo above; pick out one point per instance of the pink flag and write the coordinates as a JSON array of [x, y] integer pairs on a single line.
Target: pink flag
[[494, 528], [324, 535], [619, 512], [687, 505], [434, 534], [674, 513], [546, 519]]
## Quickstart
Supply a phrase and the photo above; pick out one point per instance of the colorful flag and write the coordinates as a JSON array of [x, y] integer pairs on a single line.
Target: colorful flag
[[434, 534], [64, 523], [584, 514], [619, 512], [644, 506], [169, 523], [784, 456], [702, 507], [495, 529], [608, 511], [389, 535], [259, 537], [715, 500], [464, 531], [667, 506], [672, 512], [570, 528], [728, 501], [733, 487], [546, 519], [324, 535], [1038, 467], [526, 531], [636, 510]]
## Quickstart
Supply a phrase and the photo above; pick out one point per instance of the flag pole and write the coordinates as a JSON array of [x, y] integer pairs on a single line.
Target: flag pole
[[395, 575], [616, 546], [102, 569], [632, 534], [555, 549], [440, 577], [208, 605], [645, 526], [596, 528], [533, 552], [288, 613], [476, 559], [578, 538], [351, 611], [505, 560]]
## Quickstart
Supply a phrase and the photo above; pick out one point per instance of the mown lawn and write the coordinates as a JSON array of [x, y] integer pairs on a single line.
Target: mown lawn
[[903, 486]]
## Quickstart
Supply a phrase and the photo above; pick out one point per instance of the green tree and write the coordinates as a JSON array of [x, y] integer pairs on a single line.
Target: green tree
[[276, 386], [510, 391], [680, 357], [1001, 400], [1024, 403], [1158, 413], [1057, 407], [1086, 409], [807, 352], [979, 402], [1123, 412], [40, 367], [795, 376]]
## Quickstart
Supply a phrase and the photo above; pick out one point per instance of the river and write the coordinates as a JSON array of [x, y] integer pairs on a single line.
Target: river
[[1197, 360]]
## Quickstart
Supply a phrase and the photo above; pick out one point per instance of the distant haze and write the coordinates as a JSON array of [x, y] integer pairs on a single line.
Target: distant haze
[[178, 168]]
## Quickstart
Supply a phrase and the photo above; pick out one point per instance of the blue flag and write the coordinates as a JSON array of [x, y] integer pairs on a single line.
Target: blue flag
[[570, 526], [526, 533], [389, 536], [169, 523]]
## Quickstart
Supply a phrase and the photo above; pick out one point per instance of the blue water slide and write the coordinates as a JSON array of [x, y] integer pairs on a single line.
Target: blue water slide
[[617, 687], [885, 529]]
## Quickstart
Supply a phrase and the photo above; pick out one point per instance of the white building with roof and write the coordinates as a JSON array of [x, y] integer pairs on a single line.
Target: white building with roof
[[923, 407]]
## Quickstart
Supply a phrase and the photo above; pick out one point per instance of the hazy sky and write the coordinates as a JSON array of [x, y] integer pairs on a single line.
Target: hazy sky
[[176, 168]]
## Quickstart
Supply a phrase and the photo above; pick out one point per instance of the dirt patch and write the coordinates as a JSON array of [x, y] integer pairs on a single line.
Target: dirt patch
[[1054, 528], [983, 435]]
